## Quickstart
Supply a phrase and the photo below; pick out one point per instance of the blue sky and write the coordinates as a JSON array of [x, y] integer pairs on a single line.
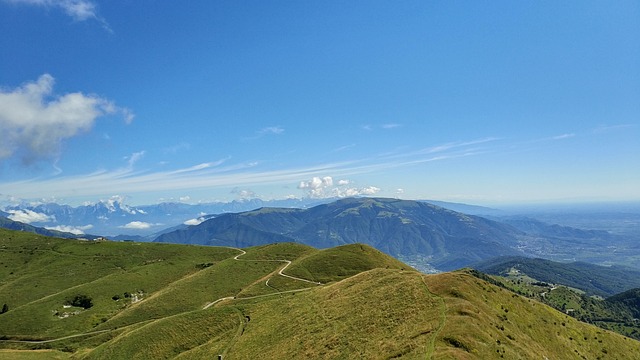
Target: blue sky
[[477, 102]]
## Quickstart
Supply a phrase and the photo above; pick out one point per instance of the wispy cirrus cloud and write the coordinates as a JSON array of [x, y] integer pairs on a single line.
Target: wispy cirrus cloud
[[266, 131], [388, 126], [134, 158], [78, 10], [563, 136], [271, 130], [219, 174], [607, 128]]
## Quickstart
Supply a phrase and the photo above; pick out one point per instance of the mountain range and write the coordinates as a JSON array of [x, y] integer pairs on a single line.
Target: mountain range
[[116, 219], [406, 229], [438, 239]]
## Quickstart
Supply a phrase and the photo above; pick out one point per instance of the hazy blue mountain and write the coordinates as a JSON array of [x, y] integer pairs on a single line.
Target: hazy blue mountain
[[113, 217], [593, 279], [402, 228], [533, 226], [6, 223]]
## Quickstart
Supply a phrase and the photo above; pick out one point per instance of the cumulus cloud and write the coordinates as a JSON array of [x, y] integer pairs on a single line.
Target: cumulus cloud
[[244, 193], [316, 186], [34, 122], [29, 216], [138, 225], [78, 10], [76, 230], [324, 188]]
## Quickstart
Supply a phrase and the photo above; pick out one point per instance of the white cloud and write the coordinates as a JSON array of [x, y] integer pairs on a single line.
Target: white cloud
[[244, 193], [34, 122], [563, 136], [324, 187], [184, 198], [271, 130], [29, 216], [349, 192], [76, 230], [391, 126], [138, 225], [316, 186], [607, 128], [134, 158], [79, 10], [192, 222], [241, 175]]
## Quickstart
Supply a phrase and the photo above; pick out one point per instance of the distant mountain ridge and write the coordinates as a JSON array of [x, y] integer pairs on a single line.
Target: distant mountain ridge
[[113, 217], [400, 228], [591, 278], [9, 224]]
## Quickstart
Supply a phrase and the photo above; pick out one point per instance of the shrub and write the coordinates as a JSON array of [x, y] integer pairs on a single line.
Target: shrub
[[83, 301]]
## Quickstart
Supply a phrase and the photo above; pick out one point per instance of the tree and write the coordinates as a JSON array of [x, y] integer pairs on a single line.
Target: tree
[[5, 308], [83, 301]]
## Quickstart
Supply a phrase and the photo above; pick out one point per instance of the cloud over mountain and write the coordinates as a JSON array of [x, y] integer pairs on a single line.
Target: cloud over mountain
[[28, 216], [325, 187]]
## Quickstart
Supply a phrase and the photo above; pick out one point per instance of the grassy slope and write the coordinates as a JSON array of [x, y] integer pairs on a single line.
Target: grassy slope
[[385, 313], [380, 313], [342, 262], [39, 274], [388, 313], [33, 355], [484, 320]]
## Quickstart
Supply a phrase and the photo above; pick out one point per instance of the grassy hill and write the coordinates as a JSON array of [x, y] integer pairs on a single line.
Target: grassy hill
[[166, 301]]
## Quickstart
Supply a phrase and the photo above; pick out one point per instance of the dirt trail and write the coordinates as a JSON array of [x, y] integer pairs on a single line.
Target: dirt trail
[[280, 272]]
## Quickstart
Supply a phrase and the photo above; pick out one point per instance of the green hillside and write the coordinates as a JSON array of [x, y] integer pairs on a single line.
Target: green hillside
[[342, 262], [160, 301], [591, 278]]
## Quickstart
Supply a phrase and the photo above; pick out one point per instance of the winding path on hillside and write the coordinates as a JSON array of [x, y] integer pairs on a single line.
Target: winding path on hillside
[[280, 272], [443, 319], [208, 305]]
